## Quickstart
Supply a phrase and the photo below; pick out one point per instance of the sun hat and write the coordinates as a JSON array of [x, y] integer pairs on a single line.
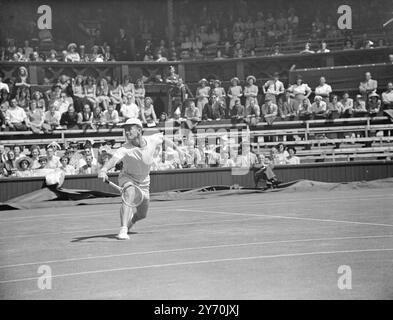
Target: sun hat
[[130, 122], [19, 162], [251, 77], [71, 45]]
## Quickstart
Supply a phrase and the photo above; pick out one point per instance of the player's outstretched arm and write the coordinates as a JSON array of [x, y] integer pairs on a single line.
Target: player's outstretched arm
[[109, 165]]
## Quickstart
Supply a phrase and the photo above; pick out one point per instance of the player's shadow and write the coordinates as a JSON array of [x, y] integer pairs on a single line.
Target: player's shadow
[[100, 236]]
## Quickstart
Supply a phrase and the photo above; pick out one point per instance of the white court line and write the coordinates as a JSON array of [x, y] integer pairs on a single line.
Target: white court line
[[153, 227], [195, 248], [76, 215], [285, 217], [301, 254], [239, 203], [171, 208]]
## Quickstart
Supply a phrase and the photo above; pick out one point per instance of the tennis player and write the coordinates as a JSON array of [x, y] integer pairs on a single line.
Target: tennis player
[[137, 157]]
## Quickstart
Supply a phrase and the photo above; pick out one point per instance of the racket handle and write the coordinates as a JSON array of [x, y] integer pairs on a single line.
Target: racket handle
[[112, 184]]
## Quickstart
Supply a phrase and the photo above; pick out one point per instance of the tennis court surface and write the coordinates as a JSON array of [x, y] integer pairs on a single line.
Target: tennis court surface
[[280, 245]]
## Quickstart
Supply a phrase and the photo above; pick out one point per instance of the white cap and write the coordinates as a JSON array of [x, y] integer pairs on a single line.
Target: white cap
[[133, 121]]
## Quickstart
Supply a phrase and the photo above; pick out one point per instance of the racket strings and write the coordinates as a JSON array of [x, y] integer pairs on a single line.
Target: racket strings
[[132, 196]]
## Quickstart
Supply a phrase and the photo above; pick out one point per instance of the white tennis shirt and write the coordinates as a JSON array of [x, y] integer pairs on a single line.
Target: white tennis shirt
[[138, 161]]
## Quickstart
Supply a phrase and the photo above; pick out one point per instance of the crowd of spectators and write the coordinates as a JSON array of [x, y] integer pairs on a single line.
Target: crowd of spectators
[[216, 31], [73, 158], [85, 103]]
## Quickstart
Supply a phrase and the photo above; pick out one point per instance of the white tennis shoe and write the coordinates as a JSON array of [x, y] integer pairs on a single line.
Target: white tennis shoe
[[123, 234]]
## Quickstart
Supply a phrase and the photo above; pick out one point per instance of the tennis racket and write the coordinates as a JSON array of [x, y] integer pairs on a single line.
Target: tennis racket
[[131, 195]]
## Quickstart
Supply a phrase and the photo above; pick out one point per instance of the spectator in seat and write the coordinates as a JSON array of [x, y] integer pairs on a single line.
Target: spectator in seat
[[38, 98], [128, 87], [347, 103], [115, 93], [219, 55], [227, 52], [324, 48], [18, 152], [61, 105], [3, 121], [160, 57], [387, 96], [23, 167], [96, 55], [273, 89], [237, 112], [82, 53], [90, 90], [307, 49], [282, 154], [10, 164], [108, 56], [34, 155], [391, 58], [69, 119], [252, 113], [219, 110], [292, 158], [192, 115], [111, 116], [72, 55], [3, 86], [130, 110], [305, 109], [300, 90], [368, 86], [218, 92], [251, 91], [85, 118], [319, 108], [65, 166], [148, 114], [202, 95], [249, 42], [78, 95], [103, 98], [139, 93], [288, 110], [348, 45], [260, 40], [235, 91], [269, 110], [197, 54], [276, 51], [247, 158], [264, 170], [374, 104], [334, 108], [238, 51], [89, 167], [23, 98], [98, 120], [324, 90], [16, 118], [207, 112], [359, 106], [51, 119], [53, 161], [36, 117]]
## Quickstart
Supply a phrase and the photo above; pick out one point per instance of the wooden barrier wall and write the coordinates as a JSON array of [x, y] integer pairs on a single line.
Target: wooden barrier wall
[[194, 178]]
